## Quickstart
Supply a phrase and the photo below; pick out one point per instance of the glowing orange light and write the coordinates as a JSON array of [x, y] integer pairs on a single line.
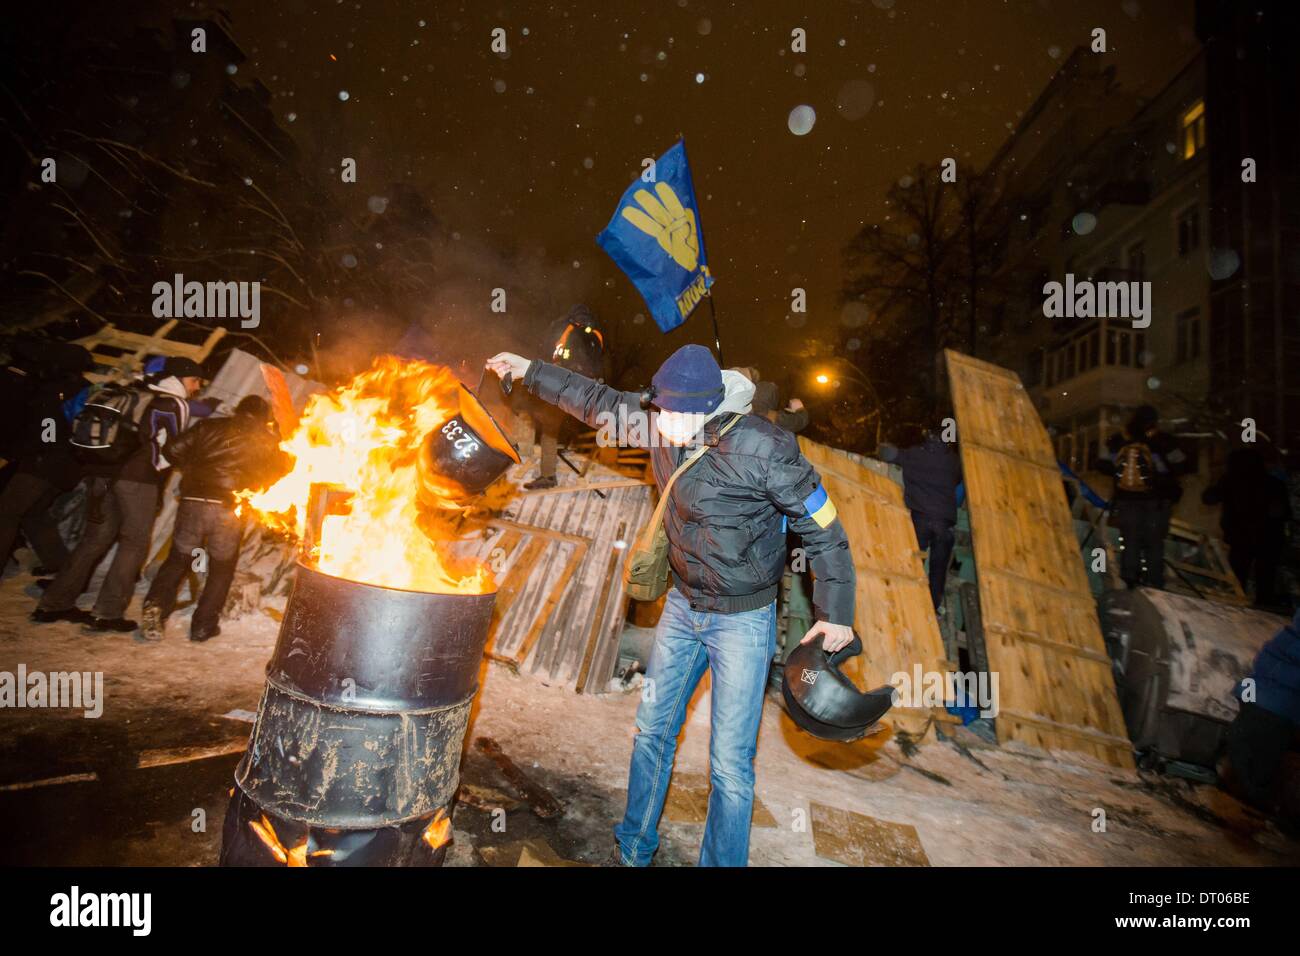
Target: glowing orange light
[[291, 856], [438, 831]]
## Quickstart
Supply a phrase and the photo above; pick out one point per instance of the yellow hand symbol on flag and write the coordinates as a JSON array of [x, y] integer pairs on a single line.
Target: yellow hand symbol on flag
[[668, 221]]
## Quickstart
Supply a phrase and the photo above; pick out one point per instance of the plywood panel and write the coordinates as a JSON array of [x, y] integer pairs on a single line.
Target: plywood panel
[[1055, 686], [893, 613]]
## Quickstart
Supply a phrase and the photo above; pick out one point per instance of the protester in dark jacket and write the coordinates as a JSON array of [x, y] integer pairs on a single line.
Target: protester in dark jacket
[[1145, 463], [1268, 718], [122, 502], [767, 403], [931, 473], [217, 458], [1255, 512], [575, 342], [725, 520], [45, 466]]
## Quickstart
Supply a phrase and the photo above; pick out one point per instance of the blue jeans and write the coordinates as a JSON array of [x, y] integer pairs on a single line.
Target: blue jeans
[[739, 648]]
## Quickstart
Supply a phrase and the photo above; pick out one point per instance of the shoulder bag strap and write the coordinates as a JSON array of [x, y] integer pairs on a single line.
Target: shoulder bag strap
[[668, 485]]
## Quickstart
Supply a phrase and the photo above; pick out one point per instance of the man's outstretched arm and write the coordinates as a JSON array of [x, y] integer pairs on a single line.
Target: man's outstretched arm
[[598, 405]]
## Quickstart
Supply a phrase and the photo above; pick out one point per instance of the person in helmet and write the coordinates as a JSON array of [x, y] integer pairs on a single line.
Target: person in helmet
[[725, 520], [576, 342]]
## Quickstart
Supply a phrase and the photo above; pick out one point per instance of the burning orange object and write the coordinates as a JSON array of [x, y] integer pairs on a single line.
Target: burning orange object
[[363, 441], [438, 831], [289, 856]]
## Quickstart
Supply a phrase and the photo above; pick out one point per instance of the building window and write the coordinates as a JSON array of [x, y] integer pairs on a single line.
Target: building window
[[1187, 343], [1189, 230], [1135, 260], [1193, 129]]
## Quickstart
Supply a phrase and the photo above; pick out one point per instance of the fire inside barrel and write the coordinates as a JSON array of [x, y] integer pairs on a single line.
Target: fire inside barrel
[[354, 757]]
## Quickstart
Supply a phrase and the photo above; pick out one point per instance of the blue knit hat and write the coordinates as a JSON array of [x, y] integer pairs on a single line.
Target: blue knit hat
[[689, 381]]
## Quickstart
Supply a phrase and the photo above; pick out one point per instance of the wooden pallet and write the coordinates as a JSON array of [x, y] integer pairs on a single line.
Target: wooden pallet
[[560, 602], [1211, 575], [136, 347]]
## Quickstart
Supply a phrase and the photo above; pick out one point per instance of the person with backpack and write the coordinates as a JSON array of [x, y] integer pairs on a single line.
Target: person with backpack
[[217, 458], [1145, 463], [122, 435], [45, 466]]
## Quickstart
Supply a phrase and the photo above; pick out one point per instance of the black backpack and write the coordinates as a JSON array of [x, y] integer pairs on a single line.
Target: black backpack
[[107, 429]]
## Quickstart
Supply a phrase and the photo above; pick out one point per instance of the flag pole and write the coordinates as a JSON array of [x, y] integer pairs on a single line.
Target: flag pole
[[713, 311], [717, 340]]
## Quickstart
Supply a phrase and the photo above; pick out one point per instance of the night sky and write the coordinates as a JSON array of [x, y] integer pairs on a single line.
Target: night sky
[[531, 152]]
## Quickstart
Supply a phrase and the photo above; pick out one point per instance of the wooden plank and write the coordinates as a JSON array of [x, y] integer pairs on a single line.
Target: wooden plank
[[515, 579], [1056, 688], [535, 795], [584, 486], [856, 839], [893, 614], [552, 598], [599, 617]]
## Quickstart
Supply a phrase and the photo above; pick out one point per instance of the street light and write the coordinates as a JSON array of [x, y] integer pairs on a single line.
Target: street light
[[856, 374], [824, 378]]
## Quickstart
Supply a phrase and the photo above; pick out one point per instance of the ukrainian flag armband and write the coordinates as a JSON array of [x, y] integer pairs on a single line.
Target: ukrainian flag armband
[[819, 507]]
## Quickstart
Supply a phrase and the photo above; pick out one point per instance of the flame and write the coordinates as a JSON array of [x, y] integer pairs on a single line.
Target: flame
[[289, 856], [438, 831], [364, 439]]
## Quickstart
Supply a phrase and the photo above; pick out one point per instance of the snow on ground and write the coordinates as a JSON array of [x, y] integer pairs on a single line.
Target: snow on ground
[[970, 803]]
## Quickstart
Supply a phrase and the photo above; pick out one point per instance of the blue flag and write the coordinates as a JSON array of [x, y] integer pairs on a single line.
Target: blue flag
[[656, 239]]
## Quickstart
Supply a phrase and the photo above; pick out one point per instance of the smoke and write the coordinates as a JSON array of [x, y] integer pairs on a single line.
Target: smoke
[[446, 291]]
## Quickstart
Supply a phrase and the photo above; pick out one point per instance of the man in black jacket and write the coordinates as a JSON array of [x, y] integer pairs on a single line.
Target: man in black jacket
[[931, 475], [726, 523], [216, 457]]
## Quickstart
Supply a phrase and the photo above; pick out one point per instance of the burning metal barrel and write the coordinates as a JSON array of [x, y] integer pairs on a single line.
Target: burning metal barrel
[[355, 756]]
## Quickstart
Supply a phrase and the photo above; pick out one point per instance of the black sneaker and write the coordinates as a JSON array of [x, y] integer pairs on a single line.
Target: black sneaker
[[200, 634], [152, 625], [74, 614], [120, 625], [540, 482]]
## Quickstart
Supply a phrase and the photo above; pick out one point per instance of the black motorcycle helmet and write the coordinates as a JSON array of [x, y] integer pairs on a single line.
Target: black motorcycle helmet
[[823, 701]]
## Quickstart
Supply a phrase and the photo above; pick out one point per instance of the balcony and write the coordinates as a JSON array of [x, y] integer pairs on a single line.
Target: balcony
[[1099, 363]]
